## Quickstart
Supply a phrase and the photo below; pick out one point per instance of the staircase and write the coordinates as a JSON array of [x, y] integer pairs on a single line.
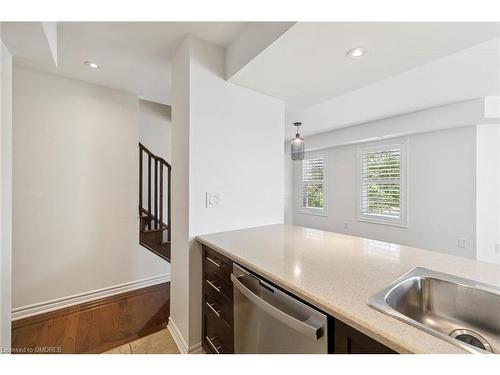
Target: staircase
[[155, 228]]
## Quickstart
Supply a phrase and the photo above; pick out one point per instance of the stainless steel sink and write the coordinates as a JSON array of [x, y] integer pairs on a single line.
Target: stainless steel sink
[[463, 312]]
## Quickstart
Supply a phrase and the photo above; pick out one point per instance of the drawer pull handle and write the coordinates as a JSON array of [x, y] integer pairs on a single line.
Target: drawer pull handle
[[212, 345], [214, 286], [216, 312], [213, 262]]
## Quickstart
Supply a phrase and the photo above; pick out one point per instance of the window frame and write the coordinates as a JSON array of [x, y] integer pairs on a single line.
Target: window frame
[[311, 210], [402, 221]]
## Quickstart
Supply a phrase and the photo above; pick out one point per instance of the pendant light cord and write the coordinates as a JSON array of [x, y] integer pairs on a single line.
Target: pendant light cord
[[297, 124]]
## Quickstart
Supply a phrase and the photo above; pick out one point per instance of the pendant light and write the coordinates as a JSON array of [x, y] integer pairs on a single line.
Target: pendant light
[[297, 147]]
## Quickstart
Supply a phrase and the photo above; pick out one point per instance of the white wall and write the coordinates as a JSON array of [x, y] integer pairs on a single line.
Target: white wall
[[155, 128], [488, 193], [441, 199], [288, 165], [5, 196], [236, 148], [455, 115], [234, 140], [253, 40], [180, 253], [75, 179]]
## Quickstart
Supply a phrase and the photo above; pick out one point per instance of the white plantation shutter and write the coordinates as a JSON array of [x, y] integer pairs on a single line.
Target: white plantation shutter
[[313, 184], [381, 183]]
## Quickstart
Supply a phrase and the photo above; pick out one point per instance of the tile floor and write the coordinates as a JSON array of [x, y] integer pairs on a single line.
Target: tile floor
[[160, 342]]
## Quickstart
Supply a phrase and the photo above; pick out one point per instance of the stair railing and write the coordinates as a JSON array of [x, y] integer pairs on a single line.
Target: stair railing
[[154, 210]]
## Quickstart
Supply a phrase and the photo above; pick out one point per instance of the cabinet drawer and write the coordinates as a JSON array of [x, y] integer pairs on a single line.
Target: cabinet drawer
[[217, 263], [218, 336], [217, 285], [220, 308]]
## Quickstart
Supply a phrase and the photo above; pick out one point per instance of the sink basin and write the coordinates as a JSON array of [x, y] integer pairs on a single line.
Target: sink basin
[[463, 312]]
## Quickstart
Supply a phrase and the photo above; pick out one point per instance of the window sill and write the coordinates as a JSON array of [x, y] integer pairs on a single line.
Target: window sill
[[312, 212], [382, 222]]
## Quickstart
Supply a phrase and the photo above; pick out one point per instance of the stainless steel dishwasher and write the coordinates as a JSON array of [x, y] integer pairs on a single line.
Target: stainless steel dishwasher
[[267, 320]]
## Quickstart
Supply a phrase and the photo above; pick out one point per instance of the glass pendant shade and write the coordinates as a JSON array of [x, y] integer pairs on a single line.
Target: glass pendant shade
[[298, 146]]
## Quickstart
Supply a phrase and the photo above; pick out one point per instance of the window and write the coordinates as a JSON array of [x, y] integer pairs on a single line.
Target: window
[[382, 182], [312, 190]]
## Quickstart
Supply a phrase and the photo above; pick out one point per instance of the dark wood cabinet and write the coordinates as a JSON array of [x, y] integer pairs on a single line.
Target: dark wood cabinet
[[348, 340], [218, 319], [217, 309]]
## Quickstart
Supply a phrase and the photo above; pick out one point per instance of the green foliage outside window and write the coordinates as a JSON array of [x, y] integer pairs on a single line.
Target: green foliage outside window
[[314, 196], [312, 183], [382, 182]]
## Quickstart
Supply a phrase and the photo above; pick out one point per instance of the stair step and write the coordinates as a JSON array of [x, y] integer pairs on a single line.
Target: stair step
[[152, 238], [154, 230], [162, 249]]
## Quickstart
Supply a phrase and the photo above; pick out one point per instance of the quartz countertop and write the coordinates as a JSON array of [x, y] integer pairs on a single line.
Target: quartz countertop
[[337, 273]]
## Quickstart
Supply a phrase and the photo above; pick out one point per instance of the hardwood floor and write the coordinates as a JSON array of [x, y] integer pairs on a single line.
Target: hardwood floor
[[97, 326]]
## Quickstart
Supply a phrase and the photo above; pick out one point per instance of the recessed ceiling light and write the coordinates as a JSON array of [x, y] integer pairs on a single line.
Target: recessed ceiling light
[[91, 64], [356, 52]]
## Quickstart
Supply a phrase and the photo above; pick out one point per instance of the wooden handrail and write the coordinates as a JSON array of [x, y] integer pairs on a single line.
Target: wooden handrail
[[160, 159], [155, 191], [151, 217]]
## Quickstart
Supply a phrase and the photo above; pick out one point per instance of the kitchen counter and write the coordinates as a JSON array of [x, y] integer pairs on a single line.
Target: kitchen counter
[[338, 273]]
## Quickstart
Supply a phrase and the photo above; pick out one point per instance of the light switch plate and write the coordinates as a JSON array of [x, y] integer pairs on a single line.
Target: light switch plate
[[212, 200], [497, 248], [462, 244]]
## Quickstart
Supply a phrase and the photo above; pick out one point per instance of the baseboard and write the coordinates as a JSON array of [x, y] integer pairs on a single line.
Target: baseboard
[[180, 342], [60, 303], [176, 335], [196, 349]]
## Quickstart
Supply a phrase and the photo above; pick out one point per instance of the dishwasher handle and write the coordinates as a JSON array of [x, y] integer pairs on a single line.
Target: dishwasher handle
[[309, 329]]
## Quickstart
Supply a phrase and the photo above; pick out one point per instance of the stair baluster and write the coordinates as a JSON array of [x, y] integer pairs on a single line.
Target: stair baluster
[[156, 195], [161, 196], [169, 210], [149, 190]]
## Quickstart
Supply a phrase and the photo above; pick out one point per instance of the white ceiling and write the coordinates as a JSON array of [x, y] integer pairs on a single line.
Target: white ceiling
[[134, 56], [467, 74], [409, 66], [308, 69], [307, 64]]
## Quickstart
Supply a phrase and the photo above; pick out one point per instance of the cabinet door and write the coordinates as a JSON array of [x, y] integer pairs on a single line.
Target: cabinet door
[[350, 341]]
